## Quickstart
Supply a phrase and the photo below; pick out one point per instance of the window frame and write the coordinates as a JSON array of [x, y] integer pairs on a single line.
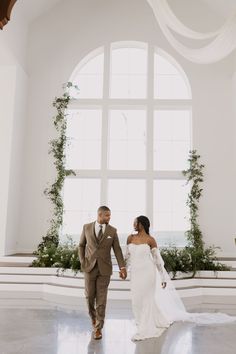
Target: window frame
[[149, 103]]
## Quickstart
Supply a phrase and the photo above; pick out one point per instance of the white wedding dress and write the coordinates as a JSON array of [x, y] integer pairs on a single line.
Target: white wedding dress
[[155, 308]]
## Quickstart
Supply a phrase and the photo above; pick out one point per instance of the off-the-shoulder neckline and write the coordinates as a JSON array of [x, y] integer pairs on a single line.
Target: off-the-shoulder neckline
[[138, 244]]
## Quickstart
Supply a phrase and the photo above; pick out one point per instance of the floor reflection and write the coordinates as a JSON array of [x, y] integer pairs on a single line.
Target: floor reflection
[[49, 329], [95, 347]]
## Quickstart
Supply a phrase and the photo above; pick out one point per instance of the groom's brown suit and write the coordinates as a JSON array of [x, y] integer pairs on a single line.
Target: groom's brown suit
[[95, 259]]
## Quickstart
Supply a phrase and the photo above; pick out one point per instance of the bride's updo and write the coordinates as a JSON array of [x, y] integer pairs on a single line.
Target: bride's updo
[[144, 221]]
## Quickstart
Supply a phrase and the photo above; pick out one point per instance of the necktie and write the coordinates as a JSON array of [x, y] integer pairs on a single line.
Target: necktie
[[100, 234]]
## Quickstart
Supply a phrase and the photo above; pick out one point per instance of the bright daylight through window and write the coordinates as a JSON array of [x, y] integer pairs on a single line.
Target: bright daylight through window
[[130, 134]]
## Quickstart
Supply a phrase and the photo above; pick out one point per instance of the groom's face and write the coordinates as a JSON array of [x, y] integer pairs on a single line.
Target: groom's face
[[104, 217]]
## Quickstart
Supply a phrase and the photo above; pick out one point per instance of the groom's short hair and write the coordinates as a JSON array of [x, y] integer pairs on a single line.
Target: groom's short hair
[[103, 208]]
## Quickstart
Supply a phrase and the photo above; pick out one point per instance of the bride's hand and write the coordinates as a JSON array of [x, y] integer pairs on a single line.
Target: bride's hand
[[163, 284]]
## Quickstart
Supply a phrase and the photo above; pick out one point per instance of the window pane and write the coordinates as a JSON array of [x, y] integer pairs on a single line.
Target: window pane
[[171, 214], [169, 83], [171, 139], [126, 198], [127, 139], [84, 133], [89, 78], [81, 200], [128, 73]]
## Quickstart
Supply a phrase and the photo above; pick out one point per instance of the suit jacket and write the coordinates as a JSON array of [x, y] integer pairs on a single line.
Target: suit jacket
[[91, 250]]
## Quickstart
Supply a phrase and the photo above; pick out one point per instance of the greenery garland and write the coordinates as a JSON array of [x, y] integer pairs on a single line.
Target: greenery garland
[[195, 256], [49, 252], [194, 176], [52, 253]]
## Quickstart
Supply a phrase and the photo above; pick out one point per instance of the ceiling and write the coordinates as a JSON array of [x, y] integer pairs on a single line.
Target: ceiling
[[31, 9], [222, 7]]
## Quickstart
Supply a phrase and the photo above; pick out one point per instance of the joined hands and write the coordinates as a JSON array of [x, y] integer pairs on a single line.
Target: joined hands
[[123, 273]]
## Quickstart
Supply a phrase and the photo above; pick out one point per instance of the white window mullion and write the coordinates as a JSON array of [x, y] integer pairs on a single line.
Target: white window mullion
[[123, 102], [168, 175], [173, 104], [105, 132], [149, 141], [136, 107]]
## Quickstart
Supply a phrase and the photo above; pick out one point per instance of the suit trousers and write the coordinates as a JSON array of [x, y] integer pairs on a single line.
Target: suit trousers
[[96, 287]]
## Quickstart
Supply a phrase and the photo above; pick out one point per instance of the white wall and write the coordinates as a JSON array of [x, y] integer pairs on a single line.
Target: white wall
[[15, 196], [58, 41], [214, 135], [7, 76], [234, 108], [13, 90], [13, 40]]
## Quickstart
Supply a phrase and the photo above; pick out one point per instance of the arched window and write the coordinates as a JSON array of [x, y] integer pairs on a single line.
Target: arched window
[[130, 131]]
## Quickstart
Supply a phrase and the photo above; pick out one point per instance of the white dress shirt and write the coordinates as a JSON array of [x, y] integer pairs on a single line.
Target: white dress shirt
[[97, 228]]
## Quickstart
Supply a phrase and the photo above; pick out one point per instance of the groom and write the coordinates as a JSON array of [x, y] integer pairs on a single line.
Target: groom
[[95, 245]]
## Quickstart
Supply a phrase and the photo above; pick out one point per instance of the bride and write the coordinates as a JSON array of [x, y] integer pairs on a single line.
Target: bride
[[155, 302]]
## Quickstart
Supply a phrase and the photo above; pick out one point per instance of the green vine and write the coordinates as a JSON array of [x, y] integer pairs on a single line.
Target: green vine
[[50, 242], [194, 176], [195, 256], [52, 253]]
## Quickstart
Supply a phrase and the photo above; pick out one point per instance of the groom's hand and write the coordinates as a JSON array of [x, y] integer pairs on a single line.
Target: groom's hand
[[123, 273]]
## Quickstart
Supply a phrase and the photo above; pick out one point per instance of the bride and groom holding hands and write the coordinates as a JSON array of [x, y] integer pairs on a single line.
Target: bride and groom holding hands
[[155, 302]]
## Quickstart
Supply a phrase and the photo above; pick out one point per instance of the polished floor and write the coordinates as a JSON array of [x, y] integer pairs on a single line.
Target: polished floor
[[42, 327]]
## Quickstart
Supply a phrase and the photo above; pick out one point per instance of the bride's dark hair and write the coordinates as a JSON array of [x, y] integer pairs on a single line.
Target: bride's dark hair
[[144, 221]]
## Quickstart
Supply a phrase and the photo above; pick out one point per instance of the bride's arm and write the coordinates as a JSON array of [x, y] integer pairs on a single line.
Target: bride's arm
[[158, 259], [127, 253], [127, 257], [159, 262]]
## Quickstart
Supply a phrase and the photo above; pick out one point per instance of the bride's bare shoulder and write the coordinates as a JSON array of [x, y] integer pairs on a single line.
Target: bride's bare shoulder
[[152, 242], [129, 239]]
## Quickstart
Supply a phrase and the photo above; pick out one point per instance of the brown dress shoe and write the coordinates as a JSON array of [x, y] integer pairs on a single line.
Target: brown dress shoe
[[97, 334]]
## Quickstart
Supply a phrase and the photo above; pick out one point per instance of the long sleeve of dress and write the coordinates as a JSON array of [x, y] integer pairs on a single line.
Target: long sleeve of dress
[[127, 257], [158, 262]]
